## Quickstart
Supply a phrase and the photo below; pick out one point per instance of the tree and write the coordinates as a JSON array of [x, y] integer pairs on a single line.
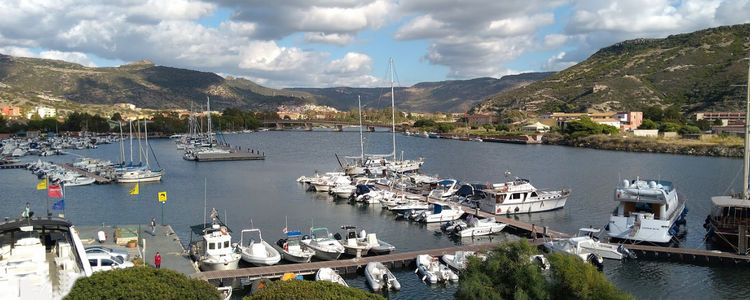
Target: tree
[[703, 124], [424, 123], [141, 283], [488, 127], [718, 122], [445, 127], [653, 113], [673, 114], [648, 124], [3, 125], [303, 289], [116, 117], [572, 278], [502, 127], [689, 129], [669, 127]]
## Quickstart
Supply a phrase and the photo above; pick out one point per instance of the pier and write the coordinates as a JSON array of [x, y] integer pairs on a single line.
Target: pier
[[343, 266], [14, 166], [232, 154], [97, 178]]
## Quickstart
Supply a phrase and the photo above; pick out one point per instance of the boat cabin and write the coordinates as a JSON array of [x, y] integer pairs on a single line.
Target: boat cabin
[[648, 199]]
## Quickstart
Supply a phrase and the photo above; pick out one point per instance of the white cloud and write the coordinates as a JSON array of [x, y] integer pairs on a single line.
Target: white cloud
[[558, 62], [75, 57], [339, 39]]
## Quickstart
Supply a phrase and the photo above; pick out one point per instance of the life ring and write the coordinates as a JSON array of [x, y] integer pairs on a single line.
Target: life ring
[[223, 231]]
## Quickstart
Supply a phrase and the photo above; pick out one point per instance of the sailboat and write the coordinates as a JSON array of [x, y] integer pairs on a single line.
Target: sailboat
[[140, 173], [729, 220], [377, 163]]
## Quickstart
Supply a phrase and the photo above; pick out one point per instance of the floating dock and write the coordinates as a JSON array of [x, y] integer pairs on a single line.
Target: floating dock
[[14, 166], [97, 178], [343, 266]]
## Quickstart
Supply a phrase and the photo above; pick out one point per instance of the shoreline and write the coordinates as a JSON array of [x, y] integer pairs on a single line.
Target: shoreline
[[650, 145]]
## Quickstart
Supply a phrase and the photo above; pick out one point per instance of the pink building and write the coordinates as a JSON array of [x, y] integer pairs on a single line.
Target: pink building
[[629, 120], [11, 111]]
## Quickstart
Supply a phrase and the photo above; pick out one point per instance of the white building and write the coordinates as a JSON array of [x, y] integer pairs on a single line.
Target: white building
[[44, 112]]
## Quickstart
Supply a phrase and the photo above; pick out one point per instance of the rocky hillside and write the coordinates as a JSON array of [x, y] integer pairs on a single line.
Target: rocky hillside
[[443, 96], [699, 71], [31, 80]]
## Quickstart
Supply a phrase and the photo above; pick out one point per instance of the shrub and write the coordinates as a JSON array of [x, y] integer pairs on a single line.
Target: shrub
[[574, 279], [648, 124], [141, 283], [302, 289]]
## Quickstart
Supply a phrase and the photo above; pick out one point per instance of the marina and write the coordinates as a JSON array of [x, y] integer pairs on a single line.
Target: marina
[[229, 187]]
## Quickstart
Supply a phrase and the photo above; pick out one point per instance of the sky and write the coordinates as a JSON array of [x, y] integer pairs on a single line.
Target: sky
[[332, 43]]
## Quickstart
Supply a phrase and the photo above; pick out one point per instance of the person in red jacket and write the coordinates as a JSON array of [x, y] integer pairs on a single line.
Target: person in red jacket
[[157, 260]]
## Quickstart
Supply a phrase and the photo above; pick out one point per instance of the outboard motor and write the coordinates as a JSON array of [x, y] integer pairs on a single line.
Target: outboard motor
[[596, 261], [626, 252]]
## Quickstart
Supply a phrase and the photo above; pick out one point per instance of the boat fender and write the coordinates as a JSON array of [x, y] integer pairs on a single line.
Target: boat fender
[[223, 231], [517, 209], [499, 210]]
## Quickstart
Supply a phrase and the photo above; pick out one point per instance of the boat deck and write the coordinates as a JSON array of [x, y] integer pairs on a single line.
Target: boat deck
[[97, 178]]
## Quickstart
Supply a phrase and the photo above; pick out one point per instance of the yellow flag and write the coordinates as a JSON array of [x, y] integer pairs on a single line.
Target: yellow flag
[[162, 196], [42, 185], [134, 191]]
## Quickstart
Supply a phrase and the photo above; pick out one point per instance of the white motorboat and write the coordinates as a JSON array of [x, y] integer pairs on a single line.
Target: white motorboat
[[292, 249], [444, 190], [344, 191], [451, 226], [326, 183], [440, 213], [35, 250], [587, 239], [78, 181], [376, 246], [647, 211], [431, 270], [214, 250], [479, 227], [257, 251], [320, 240], [371, 194], [519, 196], [352, 244], [572, 246], [459, 260], [379, 277], [410, 205], [328, 274]]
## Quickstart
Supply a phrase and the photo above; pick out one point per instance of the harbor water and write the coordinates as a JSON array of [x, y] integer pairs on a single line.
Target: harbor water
[[264, 194]]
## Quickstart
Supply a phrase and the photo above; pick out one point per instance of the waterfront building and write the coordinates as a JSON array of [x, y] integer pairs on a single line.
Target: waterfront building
[[11, 111]]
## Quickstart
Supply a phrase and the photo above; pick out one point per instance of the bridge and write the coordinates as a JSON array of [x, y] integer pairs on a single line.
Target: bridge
[[337, 125]]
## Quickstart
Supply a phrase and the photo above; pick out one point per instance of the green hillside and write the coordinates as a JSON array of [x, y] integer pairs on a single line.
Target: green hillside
[[27, 81], [699, 71]]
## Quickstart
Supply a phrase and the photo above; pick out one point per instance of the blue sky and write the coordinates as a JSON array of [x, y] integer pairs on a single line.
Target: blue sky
[[323, 43]]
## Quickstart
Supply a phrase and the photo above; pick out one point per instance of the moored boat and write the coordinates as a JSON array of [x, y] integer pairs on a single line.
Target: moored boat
[[647, 211], [519, 196], [328, 274], [214, 250], [379, 277], [325, 247], [292, 249], [431, 270], [257, 251]]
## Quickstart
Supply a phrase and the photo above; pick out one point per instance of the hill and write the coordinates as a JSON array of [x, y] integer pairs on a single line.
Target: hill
[[443, 96], [697, 71], [27, 81]]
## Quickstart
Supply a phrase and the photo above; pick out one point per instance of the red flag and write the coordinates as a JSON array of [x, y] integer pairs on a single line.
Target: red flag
[[54, 191]]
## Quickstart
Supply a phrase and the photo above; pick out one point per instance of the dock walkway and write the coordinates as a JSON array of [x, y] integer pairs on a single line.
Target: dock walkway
[[99, 179], [343, 266]]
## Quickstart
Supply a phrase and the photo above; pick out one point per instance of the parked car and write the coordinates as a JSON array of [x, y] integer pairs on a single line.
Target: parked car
[[105, 262], [112, 252]]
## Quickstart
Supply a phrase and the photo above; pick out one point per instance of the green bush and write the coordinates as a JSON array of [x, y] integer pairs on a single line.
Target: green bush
[[574, 279], [302, 289], [509, 273], [648, 124], [689, 129], [424, 123], [669, 127], [141, 283], [502, 127], [445, 127]]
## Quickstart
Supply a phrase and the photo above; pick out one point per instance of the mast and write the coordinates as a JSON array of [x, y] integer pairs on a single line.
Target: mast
[[747, 138], [122, 148], [130, 128], [140, 147], [361, 142], [393, 112], [145, 129], [208, 111]]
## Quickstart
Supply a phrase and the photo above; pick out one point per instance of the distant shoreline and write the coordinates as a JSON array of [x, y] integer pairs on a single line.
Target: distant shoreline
[[650, 145]]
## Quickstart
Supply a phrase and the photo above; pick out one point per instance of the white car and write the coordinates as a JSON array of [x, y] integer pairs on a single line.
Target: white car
[[105, 262]]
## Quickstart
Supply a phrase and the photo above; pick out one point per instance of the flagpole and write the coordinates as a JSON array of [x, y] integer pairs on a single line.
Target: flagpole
[[138, 207], [46, 180]]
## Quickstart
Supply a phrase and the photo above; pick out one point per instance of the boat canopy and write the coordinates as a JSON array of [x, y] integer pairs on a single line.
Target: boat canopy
[[293, 233], [198, 229], [729, 201], [436, 208], [362, 189], [447, 182]]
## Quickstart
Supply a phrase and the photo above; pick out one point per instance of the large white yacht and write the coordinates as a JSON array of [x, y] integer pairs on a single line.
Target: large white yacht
[[42, 257], [519, 196], [647, 210]]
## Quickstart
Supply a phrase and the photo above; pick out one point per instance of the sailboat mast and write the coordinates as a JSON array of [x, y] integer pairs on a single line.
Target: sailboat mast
[[208, 111], [122, 149], [140, 147], [747, 138], [145, 130], [130, 129], [361, 142], [393, 112]]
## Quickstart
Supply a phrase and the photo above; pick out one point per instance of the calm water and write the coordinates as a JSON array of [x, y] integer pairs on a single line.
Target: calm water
[[266, 193]]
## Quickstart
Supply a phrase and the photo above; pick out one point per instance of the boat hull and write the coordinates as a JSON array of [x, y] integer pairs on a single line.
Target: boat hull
[[293, 258], [527, 206], [219, 266]]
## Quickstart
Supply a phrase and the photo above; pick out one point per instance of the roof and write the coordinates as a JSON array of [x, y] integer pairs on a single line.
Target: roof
[[729, 201], [537, 125], [13, 223]]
